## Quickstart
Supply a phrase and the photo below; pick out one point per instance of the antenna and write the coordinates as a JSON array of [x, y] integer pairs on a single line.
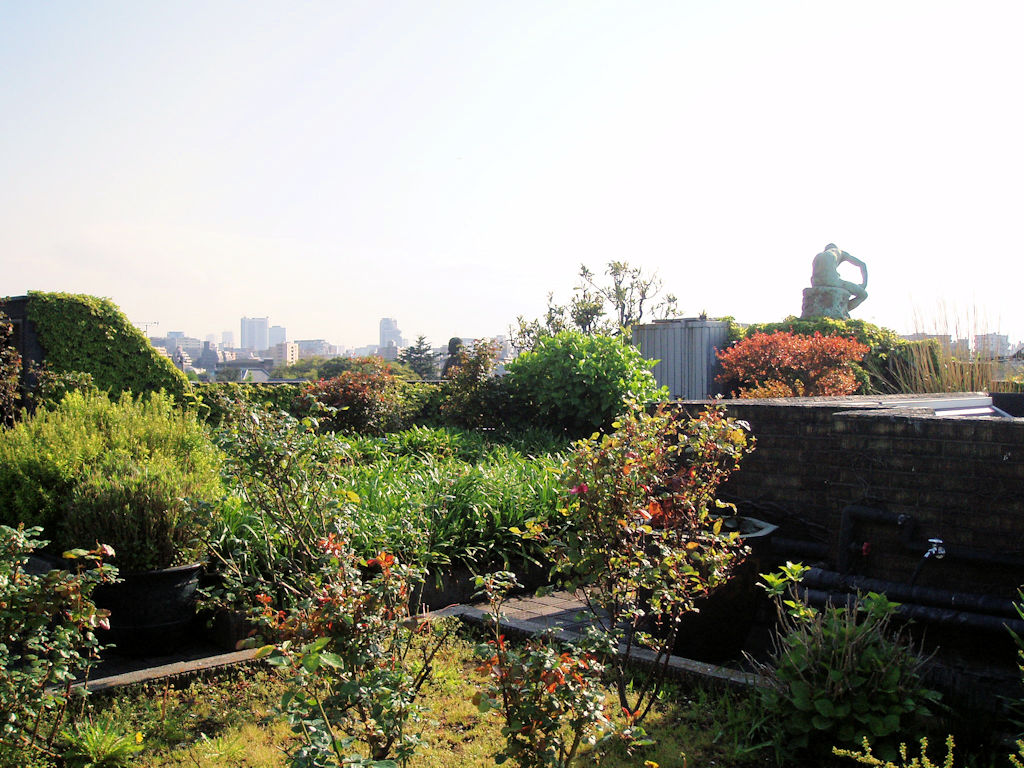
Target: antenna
[[145, 325]]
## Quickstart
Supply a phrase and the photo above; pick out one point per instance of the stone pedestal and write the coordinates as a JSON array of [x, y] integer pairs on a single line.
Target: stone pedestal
[[822, 301]]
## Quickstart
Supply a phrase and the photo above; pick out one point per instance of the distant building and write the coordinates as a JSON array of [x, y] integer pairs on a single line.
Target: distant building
[[227, 339], [389, 352], [284, 353], [990, 345], [316, 348], [255, 333], [277, 334], [389, 333]]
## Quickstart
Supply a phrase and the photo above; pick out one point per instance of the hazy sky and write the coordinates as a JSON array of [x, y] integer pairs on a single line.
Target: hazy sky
[[449, 163]]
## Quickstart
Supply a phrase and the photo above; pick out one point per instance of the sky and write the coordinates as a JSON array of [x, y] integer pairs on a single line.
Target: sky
[[450, 163]]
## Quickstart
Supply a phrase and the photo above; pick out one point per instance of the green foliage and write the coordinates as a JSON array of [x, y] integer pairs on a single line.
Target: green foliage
[[355, 659], [369, 364], [216, 399], [577, 383], [307, 368], [47, 624], [365, 400], [472, 397], [10, 372], [552, 700], [114, 471], [640, 579], [340, 621], [865, 757], [420, 357], [86, 333], [99, 744], [841, 674], [604, 308]]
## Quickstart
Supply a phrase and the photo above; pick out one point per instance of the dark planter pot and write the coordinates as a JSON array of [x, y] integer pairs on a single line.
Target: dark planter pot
[[726, 616], [457, 584], [150, 612]]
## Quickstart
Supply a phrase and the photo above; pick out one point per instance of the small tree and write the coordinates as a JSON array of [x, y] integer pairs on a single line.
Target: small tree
[[420, 357], [784, 364], [599, 308]]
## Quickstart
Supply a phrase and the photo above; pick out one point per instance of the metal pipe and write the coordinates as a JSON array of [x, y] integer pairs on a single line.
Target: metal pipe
[[819, 578], [925, 613]]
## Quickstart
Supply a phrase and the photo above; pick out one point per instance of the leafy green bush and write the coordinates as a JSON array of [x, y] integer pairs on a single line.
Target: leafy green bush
[[216, 398], [841, 674], [47, 624], [86, 333], [472, 397], [114, 471], [578, 383]]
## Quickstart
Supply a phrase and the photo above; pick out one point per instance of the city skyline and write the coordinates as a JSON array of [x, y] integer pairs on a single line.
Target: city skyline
[[451, 164]]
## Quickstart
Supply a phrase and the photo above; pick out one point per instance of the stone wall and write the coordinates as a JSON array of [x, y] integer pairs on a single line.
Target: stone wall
[[959, 479]]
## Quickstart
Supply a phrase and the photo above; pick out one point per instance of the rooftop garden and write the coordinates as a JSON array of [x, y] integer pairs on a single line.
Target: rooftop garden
[[326, 515]]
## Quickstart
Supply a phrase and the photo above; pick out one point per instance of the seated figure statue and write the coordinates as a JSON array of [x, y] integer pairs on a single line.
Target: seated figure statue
[[830, 295]]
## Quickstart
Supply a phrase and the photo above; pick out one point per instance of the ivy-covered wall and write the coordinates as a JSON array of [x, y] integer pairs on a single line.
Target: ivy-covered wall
[[86, 333]]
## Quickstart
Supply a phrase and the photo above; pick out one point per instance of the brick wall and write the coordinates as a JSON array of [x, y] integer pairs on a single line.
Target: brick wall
[[959, 479]]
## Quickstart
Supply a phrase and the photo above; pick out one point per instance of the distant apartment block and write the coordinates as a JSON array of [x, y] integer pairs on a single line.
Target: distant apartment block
[[285, 353], [227, 339], [255, 333], [989, 345], [315, 348], [276, 335]]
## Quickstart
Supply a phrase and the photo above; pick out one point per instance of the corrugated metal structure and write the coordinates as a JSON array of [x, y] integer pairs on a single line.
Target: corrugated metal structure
[[685, 348]]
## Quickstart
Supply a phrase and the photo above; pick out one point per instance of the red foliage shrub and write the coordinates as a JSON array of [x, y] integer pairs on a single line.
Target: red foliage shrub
[[784, 364], [365, 399]]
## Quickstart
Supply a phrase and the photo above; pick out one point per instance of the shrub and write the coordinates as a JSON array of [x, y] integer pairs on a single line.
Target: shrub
[[790, 365], [578, 383], [10, 372], [552, 699], [878, 371], [841, 674], [364, 400], [472, 397], [47, 624], [216, 398], [114, 471], [656, 467]]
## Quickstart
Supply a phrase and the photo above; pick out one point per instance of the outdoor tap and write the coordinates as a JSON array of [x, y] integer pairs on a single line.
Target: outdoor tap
[[936, 550]]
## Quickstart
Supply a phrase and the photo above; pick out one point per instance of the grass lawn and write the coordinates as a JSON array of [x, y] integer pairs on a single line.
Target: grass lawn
[[227, 721]]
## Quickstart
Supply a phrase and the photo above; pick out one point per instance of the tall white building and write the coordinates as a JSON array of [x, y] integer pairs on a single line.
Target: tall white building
[[277, 335], [389, 333], [255, 333]]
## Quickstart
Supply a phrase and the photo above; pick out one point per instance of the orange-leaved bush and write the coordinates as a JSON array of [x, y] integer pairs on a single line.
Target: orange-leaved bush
[[784, 364]]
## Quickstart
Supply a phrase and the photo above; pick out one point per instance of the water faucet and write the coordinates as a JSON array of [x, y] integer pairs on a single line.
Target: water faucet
[[937, 549]]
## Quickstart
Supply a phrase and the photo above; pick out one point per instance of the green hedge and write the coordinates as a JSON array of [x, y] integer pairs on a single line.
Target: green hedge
[[90, 334]]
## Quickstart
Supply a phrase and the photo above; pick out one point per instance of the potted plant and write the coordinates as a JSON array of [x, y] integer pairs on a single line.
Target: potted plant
[[126, 473]]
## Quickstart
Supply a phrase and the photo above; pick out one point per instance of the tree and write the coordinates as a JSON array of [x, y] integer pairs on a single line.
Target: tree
[[598, 308], [420, 357]]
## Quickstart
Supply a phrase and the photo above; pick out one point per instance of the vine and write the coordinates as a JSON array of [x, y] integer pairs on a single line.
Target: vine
[[90, 334]]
